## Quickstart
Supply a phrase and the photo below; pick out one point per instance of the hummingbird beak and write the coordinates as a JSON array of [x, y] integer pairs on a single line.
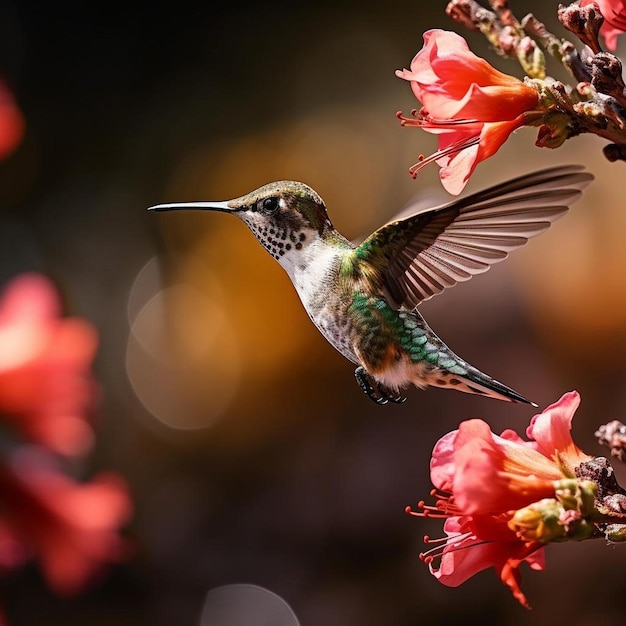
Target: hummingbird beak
[[193, 206]]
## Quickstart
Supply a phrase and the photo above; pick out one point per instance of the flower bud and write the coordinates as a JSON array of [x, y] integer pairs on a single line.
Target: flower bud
[[539, 522]]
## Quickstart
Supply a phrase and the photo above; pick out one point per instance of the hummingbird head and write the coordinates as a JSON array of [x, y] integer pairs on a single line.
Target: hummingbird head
[[285, 216]]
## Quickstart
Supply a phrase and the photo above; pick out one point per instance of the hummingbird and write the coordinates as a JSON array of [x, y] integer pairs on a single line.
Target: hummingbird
[[363, 297]]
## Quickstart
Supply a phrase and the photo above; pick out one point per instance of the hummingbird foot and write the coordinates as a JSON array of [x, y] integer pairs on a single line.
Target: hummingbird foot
[[374, 390]]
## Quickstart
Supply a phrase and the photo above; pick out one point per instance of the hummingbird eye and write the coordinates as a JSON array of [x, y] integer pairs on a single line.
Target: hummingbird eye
[[269, 205]]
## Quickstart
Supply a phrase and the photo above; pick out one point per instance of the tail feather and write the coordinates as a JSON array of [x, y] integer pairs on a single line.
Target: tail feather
[[476, 382]]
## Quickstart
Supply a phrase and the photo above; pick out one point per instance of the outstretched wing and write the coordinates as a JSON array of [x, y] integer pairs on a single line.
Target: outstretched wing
[[419, 256]]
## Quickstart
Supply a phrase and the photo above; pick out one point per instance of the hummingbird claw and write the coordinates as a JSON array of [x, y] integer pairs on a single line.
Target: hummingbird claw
[[363, 379], [397, 398], [374, 390]]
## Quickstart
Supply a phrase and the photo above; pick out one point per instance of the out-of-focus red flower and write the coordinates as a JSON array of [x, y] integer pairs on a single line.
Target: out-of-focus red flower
[[614, 14], [12, 552], [71, 528], [11, 122], [482, 482], [472, 106], [46, 386]]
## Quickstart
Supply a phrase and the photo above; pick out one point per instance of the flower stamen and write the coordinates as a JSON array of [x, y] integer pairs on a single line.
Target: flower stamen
[[423, 119], [449, 151], [447, 545]]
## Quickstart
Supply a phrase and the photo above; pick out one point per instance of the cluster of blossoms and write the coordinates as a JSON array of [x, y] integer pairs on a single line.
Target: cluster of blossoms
[[48, 396], [473, 108], [504, 498]]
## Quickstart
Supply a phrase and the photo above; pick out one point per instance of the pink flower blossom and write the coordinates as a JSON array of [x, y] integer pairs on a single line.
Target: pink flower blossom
[[46, 387], [470, 105], [11, 122], [482, 480], [71, 528], [614, 14]]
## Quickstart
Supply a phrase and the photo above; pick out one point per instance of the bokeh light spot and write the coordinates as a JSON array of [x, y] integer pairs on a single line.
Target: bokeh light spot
[[246, 605], [182, 359]]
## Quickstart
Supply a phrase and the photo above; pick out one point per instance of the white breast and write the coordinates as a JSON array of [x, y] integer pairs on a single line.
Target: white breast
[[314, 272]]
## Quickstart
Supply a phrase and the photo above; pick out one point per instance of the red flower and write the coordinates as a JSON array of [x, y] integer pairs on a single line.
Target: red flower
[[46, 387], [12, 552], [71, 528], [483, 481], [11, 122], [614, 14], [471, 106]]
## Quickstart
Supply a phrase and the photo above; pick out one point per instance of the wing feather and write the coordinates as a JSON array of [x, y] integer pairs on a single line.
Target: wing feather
[[420, 255]]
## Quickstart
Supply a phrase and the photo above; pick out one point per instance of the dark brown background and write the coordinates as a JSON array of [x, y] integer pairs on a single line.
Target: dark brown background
[[252, 454]]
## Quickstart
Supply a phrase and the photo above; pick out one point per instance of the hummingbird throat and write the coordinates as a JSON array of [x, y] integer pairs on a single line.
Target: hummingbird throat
[[277, 240]]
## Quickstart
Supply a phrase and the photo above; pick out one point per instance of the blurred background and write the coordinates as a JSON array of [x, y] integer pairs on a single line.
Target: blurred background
[[252, 456]]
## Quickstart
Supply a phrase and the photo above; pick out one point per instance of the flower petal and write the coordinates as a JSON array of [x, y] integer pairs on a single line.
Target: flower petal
[[551, 430], [442, 462], [458, 166], [493, 474], [466, 555]]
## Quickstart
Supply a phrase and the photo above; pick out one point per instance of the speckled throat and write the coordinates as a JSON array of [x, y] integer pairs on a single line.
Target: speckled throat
[[277, 239]]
